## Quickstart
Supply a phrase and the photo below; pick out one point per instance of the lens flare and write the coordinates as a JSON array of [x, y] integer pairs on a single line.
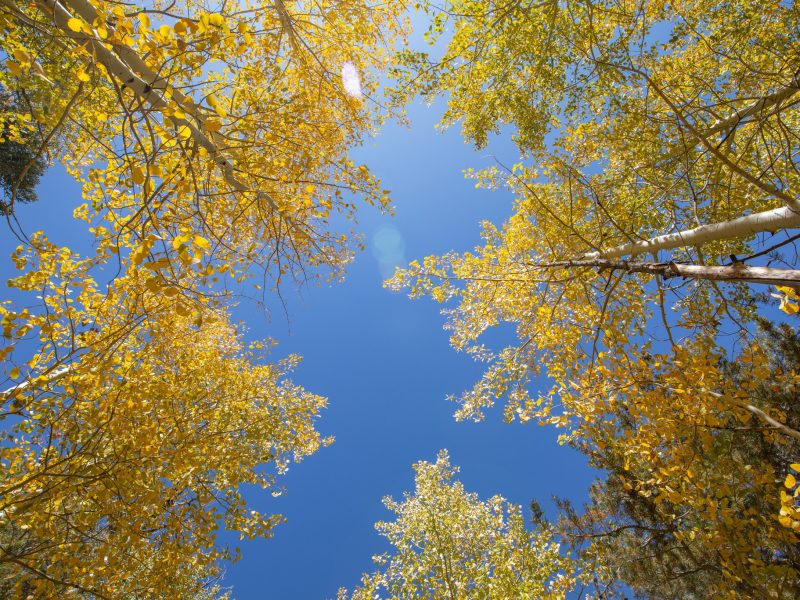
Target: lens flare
[[351, 81]]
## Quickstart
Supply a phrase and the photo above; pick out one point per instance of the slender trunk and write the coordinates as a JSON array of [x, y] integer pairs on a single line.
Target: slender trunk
[[770, 220], [146, 91], [736, 272], [769, 104], [134, 61], [784, 429]]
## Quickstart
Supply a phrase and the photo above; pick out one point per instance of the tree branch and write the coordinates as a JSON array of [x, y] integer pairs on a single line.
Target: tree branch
[[147, 91], [735, 272]]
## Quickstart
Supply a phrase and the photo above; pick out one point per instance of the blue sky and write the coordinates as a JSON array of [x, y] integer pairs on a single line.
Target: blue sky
[[383, 361], [385, 364]]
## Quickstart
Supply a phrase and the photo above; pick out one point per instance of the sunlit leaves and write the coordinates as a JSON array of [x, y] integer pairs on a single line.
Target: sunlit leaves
[[634, 120], [789, 514], [199, 134], [447, 543], [788, 297]]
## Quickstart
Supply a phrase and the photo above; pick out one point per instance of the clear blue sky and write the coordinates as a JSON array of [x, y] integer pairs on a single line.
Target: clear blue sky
[[386, 366]]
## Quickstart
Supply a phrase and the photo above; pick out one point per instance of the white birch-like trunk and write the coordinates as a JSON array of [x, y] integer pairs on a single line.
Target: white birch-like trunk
[[51, 377], [149, 92], [770, 220], [769, 105], [735, 272]]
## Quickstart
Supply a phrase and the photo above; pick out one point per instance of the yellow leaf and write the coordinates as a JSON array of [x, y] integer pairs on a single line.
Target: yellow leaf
[[75, 24], [138, 255], [15, 69], [14, 374], [789, 291], [212, 125], [137, 175], [795, 466], [171, 291], [82, 75], [179, 241], [182, 310], [787, 307], [144, 20], [790, 481], [201, 242], [216, 19], [22, 56]]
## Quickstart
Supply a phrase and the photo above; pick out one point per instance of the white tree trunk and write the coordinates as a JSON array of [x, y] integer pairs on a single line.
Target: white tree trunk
[[146, 91], [133, 60], [51, 377], [770, 220], [769, 105]]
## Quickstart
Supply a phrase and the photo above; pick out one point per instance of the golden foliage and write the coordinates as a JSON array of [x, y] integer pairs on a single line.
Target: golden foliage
[[211, 144], [635, 120], [447, 543]]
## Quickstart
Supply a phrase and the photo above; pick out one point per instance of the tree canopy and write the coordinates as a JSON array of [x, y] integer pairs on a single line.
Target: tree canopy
[[699, 507], [21, 161], [447, 543], [696, 136], [659, 145], [211, 142], [656, 188]]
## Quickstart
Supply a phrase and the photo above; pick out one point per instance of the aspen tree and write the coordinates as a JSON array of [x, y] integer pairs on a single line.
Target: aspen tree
[[658, 172], [447, 543], [211, 142]]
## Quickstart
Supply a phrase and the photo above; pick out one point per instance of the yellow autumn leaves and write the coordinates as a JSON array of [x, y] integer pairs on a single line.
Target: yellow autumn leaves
[[210, 150], [448, 543], [621, 144], [790, 508], [788, 297]]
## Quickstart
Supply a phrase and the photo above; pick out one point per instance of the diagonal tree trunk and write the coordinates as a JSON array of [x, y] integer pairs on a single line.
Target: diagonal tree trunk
[[51, 377], [148, 93], [770, 220], [767, 106], [150, 88]]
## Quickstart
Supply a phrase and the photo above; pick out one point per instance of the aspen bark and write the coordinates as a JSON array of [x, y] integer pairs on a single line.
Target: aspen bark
[[770, 220], [51, 377], [147, 92], [769, 103]]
